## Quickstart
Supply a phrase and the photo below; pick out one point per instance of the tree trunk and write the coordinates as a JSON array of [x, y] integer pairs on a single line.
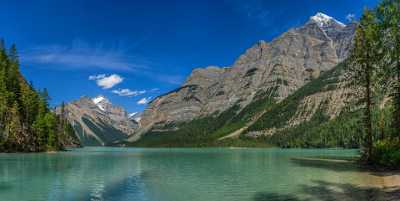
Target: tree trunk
[[396, 115], [368, 102], [382, 126]]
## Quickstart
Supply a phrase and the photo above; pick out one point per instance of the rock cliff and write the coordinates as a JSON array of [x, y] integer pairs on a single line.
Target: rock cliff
[[97, 122], [282, 66]]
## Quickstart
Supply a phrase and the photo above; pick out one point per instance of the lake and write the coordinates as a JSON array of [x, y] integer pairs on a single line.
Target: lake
[[209, 174]]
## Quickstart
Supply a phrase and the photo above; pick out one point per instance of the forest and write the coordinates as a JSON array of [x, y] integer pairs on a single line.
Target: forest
[[375, 75], [27, 123]]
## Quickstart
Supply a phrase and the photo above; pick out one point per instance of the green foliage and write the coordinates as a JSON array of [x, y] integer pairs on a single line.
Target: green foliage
[[388, 18], [364, 64], [375, 66], [26, 122], [206, 131], [387, 153], [196, 133], [263, 101]]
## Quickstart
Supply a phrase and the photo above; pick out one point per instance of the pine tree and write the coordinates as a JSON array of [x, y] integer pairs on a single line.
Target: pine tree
[[29, 101], [363, 69], [2, 45], [13, 75], [388, 15], [13, 54], [51, 131], [26, 122], [14, 129]]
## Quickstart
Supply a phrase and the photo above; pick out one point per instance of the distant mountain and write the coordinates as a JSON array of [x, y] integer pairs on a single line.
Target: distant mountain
[[97, 121], [136, 116], [220, 103]]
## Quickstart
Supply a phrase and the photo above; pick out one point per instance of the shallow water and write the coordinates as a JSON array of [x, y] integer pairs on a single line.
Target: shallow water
[[212, 174]]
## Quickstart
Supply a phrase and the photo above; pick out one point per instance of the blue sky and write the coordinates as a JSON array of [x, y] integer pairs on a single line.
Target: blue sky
[[132, 51]]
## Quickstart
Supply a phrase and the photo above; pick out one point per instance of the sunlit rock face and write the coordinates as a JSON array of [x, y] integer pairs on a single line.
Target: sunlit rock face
[[283, 65], [97, 122]]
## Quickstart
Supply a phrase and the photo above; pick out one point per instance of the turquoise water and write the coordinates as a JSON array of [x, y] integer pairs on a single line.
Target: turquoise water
[[215, 174]]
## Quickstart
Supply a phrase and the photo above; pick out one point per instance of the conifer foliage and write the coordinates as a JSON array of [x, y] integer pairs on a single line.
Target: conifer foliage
[[26, 122], [375, 62]]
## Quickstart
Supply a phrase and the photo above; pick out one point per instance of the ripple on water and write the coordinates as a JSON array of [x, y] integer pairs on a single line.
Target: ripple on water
[[121, 174]]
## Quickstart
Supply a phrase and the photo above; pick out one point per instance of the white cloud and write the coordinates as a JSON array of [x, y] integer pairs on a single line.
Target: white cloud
[[106, 82], [96, 77], [82, 55], [350, 17], [128, 92], [144, 101]]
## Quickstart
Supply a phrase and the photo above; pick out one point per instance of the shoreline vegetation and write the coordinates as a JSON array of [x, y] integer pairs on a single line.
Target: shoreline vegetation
[[27, 124], [374, 72]]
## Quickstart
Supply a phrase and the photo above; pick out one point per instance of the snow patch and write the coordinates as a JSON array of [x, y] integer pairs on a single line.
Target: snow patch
[[101, 107], [137, 119], [98, 99], [322, 19], [132, 114]]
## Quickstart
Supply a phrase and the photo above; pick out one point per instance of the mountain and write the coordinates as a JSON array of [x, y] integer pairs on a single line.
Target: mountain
[[231, 99], [97, 122], [135, 116]]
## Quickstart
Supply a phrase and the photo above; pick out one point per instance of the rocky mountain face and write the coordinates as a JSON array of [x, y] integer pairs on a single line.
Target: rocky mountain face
[[97, 122], [278, 68], [136, 116]]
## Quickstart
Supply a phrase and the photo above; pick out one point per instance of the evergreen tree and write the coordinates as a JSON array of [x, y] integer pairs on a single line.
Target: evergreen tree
[[14, 129], [26, 122], [13, 76], [363, 69], [51, 131], [388, 15]]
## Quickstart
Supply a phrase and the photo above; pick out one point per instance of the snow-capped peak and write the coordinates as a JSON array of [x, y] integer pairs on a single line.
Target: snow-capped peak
[[132, 114], [100, 101], [323, 20], [135, 116]]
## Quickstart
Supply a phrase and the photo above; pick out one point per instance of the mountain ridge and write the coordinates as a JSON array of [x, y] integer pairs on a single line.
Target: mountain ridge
[[226, 104], [97, 121], [285, 64]]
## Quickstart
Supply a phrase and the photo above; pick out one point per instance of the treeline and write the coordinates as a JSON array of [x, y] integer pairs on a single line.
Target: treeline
[[26, 122], [375, 71], [200, 132]]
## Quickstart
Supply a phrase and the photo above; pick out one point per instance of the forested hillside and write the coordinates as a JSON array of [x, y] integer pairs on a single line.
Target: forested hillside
[[352, 104], [27, 123]]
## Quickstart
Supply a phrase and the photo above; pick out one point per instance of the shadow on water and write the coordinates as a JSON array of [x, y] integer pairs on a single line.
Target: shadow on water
[[328, 191], [340, 165], [126, 189], [329, 164], [4, 186], [265, 196]]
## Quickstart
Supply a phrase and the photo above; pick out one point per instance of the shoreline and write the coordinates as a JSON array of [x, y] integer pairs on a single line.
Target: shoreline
[[373, 178]]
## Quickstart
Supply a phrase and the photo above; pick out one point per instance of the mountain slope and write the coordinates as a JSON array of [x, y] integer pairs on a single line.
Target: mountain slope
[[97, 122], [265, 74]]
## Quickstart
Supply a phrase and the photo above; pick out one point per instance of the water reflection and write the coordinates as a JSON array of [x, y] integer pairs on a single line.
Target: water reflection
[[71, 176], [102, 174]]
